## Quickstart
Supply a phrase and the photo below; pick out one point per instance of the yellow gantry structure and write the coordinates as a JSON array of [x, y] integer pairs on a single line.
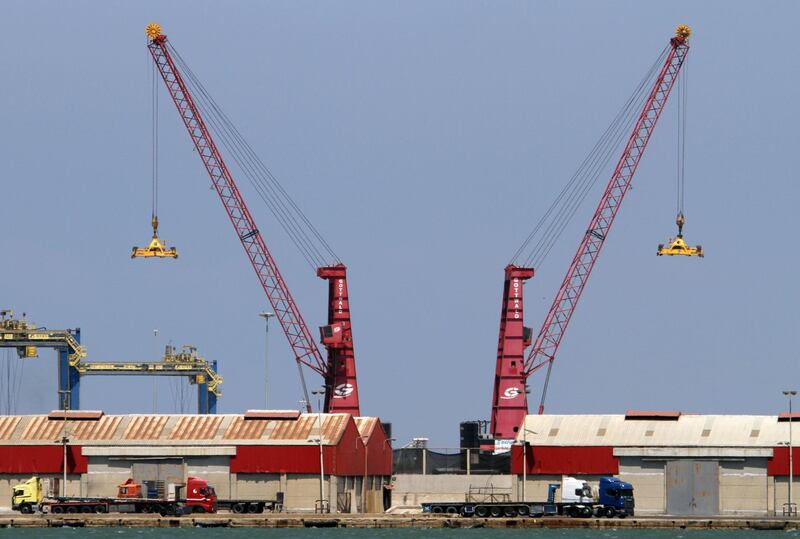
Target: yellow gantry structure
[[27, 338]]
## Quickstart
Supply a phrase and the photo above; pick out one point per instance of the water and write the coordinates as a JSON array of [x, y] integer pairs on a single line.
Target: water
[[342, 533]]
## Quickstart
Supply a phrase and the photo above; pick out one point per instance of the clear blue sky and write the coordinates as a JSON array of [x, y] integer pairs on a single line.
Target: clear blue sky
[[424, 139]]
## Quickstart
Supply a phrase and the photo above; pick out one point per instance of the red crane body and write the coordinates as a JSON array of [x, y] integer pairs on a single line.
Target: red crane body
[[510, 402], [286, 310], [337, 337]]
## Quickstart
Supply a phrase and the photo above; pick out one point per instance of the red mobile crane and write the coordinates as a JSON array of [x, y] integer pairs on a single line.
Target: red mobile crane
[[510, 400], [339, 371]]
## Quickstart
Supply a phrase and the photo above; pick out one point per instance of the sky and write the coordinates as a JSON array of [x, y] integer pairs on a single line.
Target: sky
[[424, 140]]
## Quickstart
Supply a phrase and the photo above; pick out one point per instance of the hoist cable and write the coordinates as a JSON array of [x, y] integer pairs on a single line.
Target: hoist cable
[[232, 141], [682, 108], [301, 231], [154, 140], [550, 226]]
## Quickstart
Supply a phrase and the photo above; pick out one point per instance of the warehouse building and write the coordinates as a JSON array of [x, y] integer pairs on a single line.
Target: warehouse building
[[678, 464], [260, 455]]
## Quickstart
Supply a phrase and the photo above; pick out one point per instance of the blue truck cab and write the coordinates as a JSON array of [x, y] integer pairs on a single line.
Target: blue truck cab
[[617, 494]]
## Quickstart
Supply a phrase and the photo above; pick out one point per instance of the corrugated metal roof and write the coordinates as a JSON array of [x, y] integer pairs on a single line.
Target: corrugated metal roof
[[8, 425], [686, 431], [145, 427], [293, 430], [95, 430], [245, 429], [43, 428], [177, 429], [366, 426], [198, 427], [333, 427]]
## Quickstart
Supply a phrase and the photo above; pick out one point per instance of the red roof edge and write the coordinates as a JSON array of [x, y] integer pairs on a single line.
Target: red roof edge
[[786, 416], [76, 415], [292, 415], [653, 415]]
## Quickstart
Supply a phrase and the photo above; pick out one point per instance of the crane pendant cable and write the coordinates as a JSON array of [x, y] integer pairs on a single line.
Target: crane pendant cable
[[157, 247], [677, 246]]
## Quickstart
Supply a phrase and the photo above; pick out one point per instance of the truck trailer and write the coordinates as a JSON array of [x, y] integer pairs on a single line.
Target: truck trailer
[[614, 499], [31, 496]]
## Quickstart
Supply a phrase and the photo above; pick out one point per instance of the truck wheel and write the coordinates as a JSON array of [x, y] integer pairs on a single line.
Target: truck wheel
[[72, 509], [99, 509], [482, 511], [254, 508], [586, 512], [57, 509], [437, 509], [572, 511], [451, 510], [523, 510], [198, 509], [25, 509], [496, 511], [509, 511], [240, 508], [610, 512]]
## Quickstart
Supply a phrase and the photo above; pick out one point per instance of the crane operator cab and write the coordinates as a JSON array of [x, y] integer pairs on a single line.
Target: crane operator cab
[[156, 249], [677, 246]]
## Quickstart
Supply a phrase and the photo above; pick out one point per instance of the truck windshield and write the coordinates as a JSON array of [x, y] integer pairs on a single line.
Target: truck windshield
[[626, 492], [211, 491]]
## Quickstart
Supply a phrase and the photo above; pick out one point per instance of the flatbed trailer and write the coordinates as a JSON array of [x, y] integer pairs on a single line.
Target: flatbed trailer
[[249, 506], [614, 499], [522, 509], [109, 505]]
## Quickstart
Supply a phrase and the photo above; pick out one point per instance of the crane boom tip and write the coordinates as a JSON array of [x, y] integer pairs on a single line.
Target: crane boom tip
[[683, 31], [152, 30]]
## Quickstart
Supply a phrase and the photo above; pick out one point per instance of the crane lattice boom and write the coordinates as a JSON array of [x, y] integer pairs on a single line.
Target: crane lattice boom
[[510, 399], [286, 310]]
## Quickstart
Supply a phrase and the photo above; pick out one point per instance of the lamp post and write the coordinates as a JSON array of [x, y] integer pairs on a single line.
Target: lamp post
[[319, 393], [525, 460], [790, 393], [266, 316]]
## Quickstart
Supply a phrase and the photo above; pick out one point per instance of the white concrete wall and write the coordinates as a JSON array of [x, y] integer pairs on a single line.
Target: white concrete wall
[[414, 489]]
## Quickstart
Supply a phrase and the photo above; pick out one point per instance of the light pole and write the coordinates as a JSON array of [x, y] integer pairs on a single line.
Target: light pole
[[525, 460], [790, 393], [319, 393], [266, 316]]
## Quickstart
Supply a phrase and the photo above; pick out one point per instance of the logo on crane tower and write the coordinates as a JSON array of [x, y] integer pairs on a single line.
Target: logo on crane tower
[[342, 390], [515, 284], [511, 393]]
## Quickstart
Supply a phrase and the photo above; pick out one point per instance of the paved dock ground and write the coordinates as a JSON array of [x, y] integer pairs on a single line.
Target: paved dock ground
[[306, 520]]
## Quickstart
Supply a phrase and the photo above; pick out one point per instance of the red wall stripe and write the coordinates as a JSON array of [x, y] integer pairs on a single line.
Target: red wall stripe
[[24, 459], [779, 463]]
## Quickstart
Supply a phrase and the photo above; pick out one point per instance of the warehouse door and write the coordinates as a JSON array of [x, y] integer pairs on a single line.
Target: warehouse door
[[692, 487]]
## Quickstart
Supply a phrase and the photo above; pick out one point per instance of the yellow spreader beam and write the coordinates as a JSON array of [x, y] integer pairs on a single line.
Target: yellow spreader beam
[[677, 246], [156, 249]]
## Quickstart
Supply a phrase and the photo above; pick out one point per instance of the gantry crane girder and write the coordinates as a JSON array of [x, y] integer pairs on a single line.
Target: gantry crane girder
[[27, 338], [510, 401]]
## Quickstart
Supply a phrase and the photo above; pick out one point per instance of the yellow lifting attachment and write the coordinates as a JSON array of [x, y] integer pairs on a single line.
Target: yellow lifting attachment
[[677, 246], [156, 249]]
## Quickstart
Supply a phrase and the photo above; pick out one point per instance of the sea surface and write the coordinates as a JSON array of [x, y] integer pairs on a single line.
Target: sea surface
[[340, 533]]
